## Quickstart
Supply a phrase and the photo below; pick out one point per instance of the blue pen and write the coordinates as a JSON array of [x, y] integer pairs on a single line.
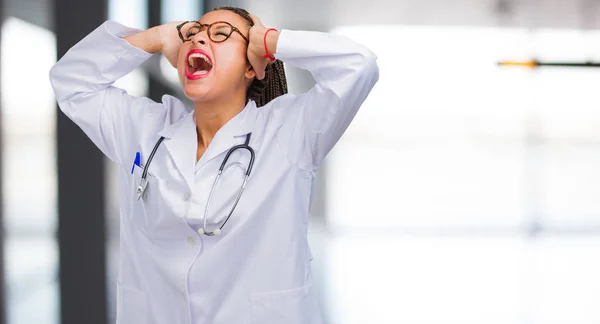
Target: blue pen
[[136, 161]]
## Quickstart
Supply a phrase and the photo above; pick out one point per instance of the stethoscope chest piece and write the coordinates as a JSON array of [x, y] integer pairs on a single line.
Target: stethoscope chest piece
[[141, 189]]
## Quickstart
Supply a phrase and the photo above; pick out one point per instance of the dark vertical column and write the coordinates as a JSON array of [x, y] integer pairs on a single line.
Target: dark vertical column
[[154, 12], [81, 215], [156, 88]]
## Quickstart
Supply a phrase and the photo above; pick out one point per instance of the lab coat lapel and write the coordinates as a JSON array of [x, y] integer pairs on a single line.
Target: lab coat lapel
[[222, 142], [180, 141], [229, 134]]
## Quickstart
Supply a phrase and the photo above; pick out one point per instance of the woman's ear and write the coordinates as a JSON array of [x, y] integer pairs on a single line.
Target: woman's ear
[[250, 74]]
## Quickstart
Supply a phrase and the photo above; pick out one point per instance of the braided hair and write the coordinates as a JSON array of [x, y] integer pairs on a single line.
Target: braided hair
[[274, 84]]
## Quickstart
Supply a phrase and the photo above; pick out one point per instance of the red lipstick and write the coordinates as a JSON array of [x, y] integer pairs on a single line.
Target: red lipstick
[[189, 71]]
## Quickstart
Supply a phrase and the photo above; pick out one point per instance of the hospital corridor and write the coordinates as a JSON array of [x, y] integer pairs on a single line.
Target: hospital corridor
[[466, 190]]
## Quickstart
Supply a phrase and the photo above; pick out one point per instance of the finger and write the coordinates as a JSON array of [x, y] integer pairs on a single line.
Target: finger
[[174, 24], [255, 19], [260, 72]]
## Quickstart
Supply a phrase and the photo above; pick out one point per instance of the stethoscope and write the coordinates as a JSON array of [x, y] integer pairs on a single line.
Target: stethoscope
[[144, 182]]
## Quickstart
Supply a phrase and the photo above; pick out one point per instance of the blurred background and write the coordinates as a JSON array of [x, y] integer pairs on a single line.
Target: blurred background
[[463, 192]]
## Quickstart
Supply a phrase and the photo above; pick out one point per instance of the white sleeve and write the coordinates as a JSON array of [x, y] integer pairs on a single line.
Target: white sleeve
[[83, 84], [345, 72]]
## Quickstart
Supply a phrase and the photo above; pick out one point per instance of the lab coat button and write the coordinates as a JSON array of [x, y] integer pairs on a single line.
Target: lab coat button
[[186, 196]]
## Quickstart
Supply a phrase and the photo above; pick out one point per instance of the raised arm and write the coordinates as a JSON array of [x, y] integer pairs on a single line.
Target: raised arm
[[345, 72], [83, 84]]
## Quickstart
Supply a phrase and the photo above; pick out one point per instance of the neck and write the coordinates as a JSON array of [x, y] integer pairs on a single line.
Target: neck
[[212, 115]]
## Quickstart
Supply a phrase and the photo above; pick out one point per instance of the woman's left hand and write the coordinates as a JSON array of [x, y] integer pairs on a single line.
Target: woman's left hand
[[256, 47]]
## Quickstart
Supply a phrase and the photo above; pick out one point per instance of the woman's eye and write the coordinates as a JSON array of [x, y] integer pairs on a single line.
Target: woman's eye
[[190, 34]]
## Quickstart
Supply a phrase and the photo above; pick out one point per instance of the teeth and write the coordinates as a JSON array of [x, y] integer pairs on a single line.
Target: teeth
[[197, 55]]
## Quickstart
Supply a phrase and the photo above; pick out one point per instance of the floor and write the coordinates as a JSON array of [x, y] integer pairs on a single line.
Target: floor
[[389, 278]]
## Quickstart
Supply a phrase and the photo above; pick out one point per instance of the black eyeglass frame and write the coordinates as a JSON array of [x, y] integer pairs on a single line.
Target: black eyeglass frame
[[208, 26]]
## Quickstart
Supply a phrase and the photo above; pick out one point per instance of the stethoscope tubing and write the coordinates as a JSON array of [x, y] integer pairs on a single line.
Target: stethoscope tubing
[[245, 146]]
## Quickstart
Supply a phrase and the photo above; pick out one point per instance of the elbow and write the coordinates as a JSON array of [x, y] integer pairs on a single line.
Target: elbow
[[61, 92], [369, 57], [372, 67], [368, 67], [365, 62], [55, 76], [61, 86], [54, 73], [362, 57]]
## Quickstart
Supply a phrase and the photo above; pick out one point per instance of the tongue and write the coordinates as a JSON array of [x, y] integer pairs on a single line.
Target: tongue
[[200, 64]]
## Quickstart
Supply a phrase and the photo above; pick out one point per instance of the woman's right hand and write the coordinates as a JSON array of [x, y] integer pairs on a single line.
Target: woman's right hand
[[169, 41], [163, 38]]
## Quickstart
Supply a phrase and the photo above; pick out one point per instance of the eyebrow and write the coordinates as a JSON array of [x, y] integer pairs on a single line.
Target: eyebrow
[[203, 23]]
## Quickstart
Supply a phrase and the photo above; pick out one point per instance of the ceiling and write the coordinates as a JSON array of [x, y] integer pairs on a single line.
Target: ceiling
[[323, 14], [316, 14], [38, 12]]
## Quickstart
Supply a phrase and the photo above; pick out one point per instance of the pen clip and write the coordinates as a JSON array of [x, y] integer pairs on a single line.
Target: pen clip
[[136, 161]]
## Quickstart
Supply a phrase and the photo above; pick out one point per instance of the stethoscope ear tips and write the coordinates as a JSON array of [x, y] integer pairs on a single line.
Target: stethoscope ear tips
[[201, 231], [217, 232]]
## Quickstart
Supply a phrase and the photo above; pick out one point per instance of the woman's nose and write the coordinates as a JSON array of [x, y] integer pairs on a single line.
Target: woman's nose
[[201, 38]]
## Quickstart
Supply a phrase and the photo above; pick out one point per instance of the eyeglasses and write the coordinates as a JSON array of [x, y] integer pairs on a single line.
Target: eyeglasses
[[218, 32]]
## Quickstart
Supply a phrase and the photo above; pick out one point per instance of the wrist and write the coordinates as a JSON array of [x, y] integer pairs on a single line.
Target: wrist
[[155, 39], [147, 40], [272, 38]]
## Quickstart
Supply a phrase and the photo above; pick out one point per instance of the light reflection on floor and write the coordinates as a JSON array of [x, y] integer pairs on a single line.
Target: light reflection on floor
[[397, 279], [462, 280], [31, 279]]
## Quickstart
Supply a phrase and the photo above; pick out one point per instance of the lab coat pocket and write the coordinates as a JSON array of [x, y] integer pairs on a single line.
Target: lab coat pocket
[[157, 218], [132, 306], [144, 203], [137, 177], [295, 306]]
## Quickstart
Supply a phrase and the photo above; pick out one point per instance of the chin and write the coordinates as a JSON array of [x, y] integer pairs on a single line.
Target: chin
[[197, 89], [196, 93]]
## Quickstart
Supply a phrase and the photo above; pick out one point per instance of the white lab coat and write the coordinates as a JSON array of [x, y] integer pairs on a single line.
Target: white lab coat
[[258, 271]]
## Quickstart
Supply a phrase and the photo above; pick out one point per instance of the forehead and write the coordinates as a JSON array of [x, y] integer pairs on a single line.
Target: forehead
[[224, 15]]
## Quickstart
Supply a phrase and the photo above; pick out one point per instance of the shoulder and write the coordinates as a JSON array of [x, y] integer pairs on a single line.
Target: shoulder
[[174, 110], [278, 108], [153, 117]]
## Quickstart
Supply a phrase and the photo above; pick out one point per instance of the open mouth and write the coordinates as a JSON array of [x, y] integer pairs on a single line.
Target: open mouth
[[199, 64]]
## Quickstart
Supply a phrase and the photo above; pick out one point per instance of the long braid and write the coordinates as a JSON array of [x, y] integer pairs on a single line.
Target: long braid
[[274, 84]]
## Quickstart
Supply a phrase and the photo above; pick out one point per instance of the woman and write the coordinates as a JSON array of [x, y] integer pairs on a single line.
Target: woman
[[185, 257]]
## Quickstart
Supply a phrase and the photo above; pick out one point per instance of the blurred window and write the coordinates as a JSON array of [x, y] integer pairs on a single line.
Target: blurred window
[[29, 174], [181, 10], [452, 164], [132, 13]]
